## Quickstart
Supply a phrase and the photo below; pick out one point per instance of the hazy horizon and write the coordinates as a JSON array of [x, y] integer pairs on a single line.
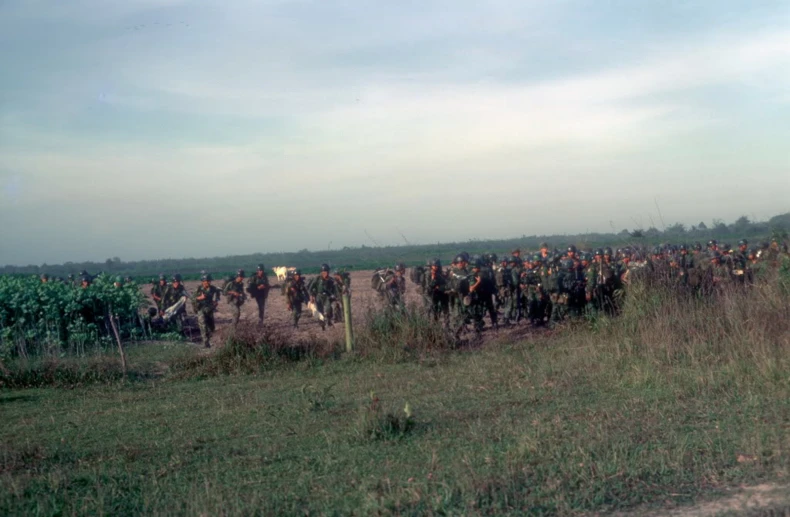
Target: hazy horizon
[[175, 128]]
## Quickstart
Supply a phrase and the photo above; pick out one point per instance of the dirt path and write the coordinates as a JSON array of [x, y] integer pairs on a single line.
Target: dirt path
[[363, 299], [766, 499]]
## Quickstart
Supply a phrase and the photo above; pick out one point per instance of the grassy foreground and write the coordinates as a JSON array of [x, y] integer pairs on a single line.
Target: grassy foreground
[[621, 415]]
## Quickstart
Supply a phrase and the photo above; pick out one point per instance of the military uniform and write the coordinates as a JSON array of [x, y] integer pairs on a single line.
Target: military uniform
[[436, 292], [258, 288], [158, 293], [205, 300], [172, 295], [234, 294], [297, 294], [323, 291]]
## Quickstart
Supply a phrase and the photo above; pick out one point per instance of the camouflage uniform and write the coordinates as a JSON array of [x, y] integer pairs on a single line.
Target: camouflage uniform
[[158, 293], [322, 291], [171, 297], [205, 300], [297, 294], [436, 292], [234, 294], [258, 288]]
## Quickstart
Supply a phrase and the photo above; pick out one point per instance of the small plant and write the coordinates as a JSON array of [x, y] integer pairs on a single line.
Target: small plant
[[317, 399], [377, 424]]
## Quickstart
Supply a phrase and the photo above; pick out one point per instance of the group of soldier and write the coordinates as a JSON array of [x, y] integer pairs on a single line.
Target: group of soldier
[[324, 290], [548, 286], [541, 288]]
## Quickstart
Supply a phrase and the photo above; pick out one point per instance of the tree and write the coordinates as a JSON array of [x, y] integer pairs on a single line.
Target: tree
[[742, 224], [677, 229], [702, 225]]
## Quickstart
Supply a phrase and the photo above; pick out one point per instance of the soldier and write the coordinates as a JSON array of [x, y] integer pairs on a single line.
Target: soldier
[[297, 294], [533, 303], [234, 294], [513, 308], [436, 289], [487, 289], [258, 287], [502, 278], [206, 299], [395, 286], [118, 282], [322, 290], [173, 294], [459, 282], [44, 278]]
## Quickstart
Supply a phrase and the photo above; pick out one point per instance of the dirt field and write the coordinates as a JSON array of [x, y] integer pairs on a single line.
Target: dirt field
[[363, 298]]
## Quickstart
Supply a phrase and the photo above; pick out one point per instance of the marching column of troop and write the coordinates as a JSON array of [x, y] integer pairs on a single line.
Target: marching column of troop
[[549, 286], [542, 288]]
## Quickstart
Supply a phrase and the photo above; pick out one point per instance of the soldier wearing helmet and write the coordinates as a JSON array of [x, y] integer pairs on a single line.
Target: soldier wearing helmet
[[234, 294], [258, 287], [436, 290], [297, 295], [206, 298], [322, 292], [172, 294]]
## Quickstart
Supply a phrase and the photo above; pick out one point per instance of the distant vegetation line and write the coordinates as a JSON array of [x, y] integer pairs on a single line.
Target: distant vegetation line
[[366, 257]]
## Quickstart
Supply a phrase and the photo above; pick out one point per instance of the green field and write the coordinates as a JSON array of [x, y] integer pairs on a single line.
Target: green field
[[657, 408]]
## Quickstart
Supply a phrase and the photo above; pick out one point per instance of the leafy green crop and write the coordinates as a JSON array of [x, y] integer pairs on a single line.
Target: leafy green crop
[[57, 318]]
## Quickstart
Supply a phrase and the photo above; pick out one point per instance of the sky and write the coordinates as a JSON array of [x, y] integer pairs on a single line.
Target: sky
[[196, 128]]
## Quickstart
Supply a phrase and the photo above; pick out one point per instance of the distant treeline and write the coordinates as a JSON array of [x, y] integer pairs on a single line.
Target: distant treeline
[[366, 257]]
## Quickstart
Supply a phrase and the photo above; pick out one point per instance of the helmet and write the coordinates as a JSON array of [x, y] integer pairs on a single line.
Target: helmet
[[206, 277], [492, 258], [240, 273], [537, 258], [465, 255], [697, 246], [743, 242], [586, 257], [260, 267], [544, 245], [478, 263], [177, 277], [400, 267], [516, 251], [45, 276], [152, 311], [118, 279], [712, 243], [683, 247], [512, 260], [437, 263], [325, 267], [297, 272], [162, 277], [715, 255], [460, 258], [571, 249], [657, 250], [607, 251]]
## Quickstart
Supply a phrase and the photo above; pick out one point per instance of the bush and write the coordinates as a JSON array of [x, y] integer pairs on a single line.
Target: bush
[[401, 334], [249, 350]]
